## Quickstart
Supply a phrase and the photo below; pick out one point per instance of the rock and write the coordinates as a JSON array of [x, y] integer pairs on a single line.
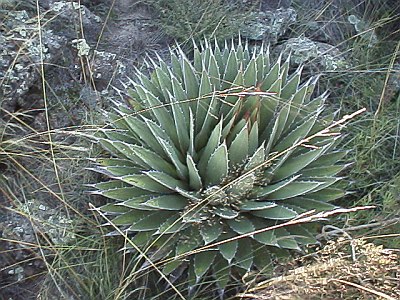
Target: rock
[[319, 56], [70, 18], [21, 56], [18, 4], [268, 25], [105, 68], [23, 51], [16, 258]]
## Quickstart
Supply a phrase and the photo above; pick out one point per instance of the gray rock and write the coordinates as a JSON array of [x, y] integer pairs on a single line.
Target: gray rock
[[22, 51], [268, 25], [70, 13], [21, 55], [319, 56], [106, 68]]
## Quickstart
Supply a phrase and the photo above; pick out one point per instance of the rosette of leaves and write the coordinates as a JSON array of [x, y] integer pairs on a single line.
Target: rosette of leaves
[[209, 150]]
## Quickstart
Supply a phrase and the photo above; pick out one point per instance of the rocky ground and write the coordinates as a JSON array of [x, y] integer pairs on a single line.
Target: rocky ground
[[88, 52]]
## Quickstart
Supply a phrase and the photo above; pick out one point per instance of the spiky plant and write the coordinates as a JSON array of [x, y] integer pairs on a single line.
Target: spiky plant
[[192, 161]]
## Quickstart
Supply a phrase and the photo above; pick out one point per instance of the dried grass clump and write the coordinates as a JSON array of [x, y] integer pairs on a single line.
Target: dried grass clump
[[343, 269]]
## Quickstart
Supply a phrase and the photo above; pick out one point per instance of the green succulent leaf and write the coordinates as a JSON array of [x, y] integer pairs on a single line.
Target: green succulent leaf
[[286, 240], [209, 120], [328, 194], [137, 203], [140, 128], [226, 212], [296, 163], [244, 255], [190, 239], [172, 225], [154, 161], [203, 262], [212, 144], [190, 80], [117, 171], [166, 180], [195, 181], [123, 193], [264, 191], [171, 266], [272, 76], [113, 208], [211, 231], [257, 159], [228, 250], [323, 171], [151, 222], [291, 85], [222, 272], [239, 148], [278, 212], [241, 226], [217, 166], [250, 74], [267, 238], [231, 70], [130, 217], [297, 134], [263, 260], [294, 189], [328, 159], [145, 183], [142, 238], [256, 205], [310, 204], [302, 235], [167, 202]]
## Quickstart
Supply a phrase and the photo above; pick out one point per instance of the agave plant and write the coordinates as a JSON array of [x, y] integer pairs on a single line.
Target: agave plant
[[210, 150]]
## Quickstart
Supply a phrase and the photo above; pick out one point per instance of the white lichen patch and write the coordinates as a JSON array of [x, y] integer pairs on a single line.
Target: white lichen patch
[[82, 46]]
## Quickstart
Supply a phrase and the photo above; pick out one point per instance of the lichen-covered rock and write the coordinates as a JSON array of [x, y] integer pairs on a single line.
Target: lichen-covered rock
[[268, 25], [71, 18], [18, 4], [23, 51], [105, 68], [319, 56], [19, 261]]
